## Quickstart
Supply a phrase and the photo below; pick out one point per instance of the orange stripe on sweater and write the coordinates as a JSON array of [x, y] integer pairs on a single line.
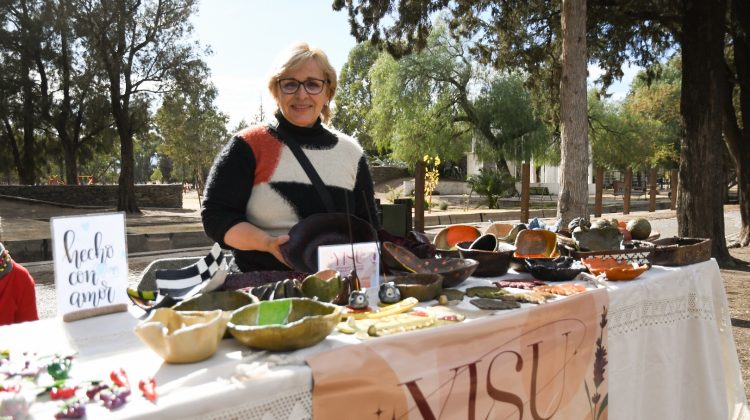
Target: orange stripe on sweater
[[267, 151]]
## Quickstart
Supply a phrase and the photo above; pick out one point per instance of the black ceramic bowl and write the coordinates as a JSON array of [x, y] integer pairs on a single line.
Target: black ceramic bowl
[[557, 269], [491, 263]]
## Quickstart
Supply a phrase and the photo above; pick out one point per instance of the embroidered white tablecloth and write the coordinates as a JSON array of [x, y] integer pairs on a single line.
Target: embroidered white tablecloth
[[671, 356]]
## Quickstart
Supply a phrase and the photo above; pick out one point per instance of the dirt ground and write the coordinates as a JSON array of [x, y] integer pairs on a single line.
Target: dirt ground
[[737, 285]]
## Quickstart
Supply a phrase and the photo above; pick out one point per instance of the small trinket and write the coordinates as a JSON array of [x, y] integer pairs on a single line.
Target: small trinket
[[389, 293], [358, 299]]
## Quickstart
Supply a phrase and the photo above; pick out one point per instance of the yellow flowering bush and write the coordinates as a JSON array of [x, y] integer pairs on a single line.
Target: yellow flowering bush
[[431, 176]]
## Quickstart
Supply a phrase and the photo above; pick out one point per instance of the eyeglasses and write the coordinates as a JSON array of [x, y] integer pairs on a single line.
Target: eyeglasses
[[312, 86]]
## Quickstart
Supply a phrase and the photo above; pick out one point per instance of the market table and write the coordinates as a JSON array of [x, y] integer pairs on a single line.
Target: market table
[[671, 356]]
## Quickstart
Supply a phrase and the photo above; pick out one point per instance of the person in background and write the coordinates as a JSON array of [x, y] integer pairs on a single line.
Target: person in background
[[17, 291], [257, 189]]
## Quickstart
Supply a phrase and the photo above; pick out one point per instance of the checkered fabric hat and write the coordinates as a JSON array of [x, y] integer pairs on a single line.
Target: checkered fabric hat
[[177, 283]]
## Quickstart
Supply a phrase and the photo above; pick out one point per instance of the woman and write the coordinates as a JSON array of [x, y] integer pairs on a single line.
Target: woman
[[257, 189], [17, 291]]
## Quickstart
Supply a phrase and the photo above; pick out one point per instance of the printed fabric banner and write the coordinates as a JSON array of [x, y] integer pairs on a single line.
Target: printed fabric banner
[[543, 362]]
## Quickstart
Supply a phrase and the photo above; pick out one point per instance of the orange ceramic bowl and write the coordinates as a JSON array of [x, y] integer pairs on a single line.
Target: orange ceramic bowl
[[536, 243], [613, 269], [449, 236]]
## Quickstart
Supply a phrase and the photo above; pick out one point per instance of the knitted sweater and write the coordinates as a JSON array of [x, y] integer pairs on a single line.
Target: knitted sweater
[[17, 296], [256, 178]]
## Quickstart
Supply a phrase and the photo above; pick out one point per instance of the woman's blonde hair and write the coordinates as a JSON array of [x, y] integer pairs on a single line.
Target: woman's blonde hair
[[296, 55]]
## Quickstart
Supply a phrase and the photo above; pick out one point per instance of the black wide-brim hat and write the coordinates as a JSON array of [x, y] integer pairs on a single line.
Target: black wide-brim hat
[[301, 251]]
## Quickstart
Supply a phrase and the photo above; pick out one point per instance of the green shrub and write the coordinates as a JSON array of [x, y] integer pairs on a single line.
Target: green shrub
[[492, 184], [443, 205]]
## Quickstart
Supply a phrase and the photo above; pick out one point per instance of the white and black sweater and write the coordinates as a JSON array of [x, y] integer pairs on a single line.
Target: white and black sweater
[[256, 178]]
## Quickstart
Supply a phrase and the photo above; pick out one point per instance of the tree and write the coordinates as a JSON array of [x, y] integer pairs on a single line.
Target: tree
[[192, 129], [409, 116], [737, 103], [640, 31], [354, 95], [21, 42], [512, 34], [141, 46]]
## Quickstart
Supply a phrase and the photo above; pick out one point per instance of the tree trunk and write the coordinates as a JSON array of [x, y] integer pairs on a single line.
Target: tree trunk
[[626, 190], [419, 171], [599, 191], [738, 140], [525, 175], [126, 192], [700, 209], [652, 190], [673, 188], [574, 161], [27, 171]]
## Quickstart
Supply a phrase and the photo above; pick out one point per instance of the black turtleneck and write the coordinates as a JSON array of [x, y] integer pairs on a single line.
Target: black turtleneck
[[256, 178]]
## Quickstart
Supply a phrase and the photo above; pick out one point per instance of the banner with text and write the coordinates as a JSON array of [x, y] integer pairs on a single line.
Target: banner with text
[[542, 362], [91, 261]]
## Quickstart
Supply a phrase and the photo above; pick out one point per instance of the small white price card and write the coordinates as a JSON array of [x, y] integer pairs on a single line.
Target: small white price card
[[91, 263], [341, 258]]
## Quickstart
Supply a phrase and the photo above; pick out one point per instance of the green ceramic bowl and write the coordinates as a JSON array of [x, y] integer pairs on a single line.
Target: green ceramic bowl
[[227, 301], [284, 324], [422, 286]]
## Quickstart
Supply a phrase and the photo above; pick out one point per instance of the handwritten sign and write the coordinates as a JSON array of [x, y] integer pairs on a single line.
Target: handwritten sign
[[91, 262], [340, 258]]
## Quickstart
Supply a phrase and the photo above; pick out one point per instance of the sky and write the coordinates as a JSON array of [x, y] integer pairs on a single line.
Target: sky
[[247, 35]]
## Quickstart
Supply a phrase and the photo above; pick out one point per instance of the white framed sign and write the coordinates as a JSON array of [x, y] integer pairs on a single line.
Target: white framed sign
[[91, 264], [340, 258]]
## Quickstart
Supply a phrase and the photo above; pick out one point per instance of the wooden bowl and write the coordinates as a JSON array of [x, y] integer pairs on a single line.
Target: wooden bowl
[[284, 324]]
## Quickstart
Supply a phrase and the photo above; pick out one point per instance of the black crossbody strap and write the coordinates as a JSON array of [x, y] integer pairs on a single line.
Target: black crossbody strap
[[317, 182]]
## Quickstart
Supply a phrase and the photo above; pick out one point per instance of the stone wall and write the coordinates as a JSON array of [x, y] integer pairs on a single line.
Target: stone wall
[[147, 195], [386, 173]]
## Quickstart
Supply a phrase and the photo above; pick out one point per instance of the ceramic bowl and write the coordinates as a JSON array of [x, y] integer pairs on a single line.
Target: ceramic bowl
[[453, 270], [324, 285], [421, 286], [227, 301], [284, 324], [499, 229], [536, 243], [615, 270], [182, 337], [491, 263], [447, 238], [558, 269]]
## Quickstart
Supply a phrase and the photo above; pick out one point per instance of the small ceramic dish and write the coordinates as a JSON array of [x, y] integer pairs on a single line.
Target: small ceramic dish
[[447, 238], [505, 232], [453, 270], [284, 324], [536, 243], [491, 263], [227, 301], [558, 269], [182, 337], [421, 286], [615, 270]]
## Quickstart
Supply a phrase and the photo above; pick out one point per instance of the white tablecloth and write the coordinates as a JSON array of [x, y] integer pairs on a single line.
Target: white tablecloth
[[671, 356]]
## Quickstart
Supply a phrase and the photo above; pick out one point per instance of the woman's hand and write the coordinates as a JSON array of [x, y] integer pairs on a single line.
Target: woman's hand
[[273, 247], [248, 237]]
